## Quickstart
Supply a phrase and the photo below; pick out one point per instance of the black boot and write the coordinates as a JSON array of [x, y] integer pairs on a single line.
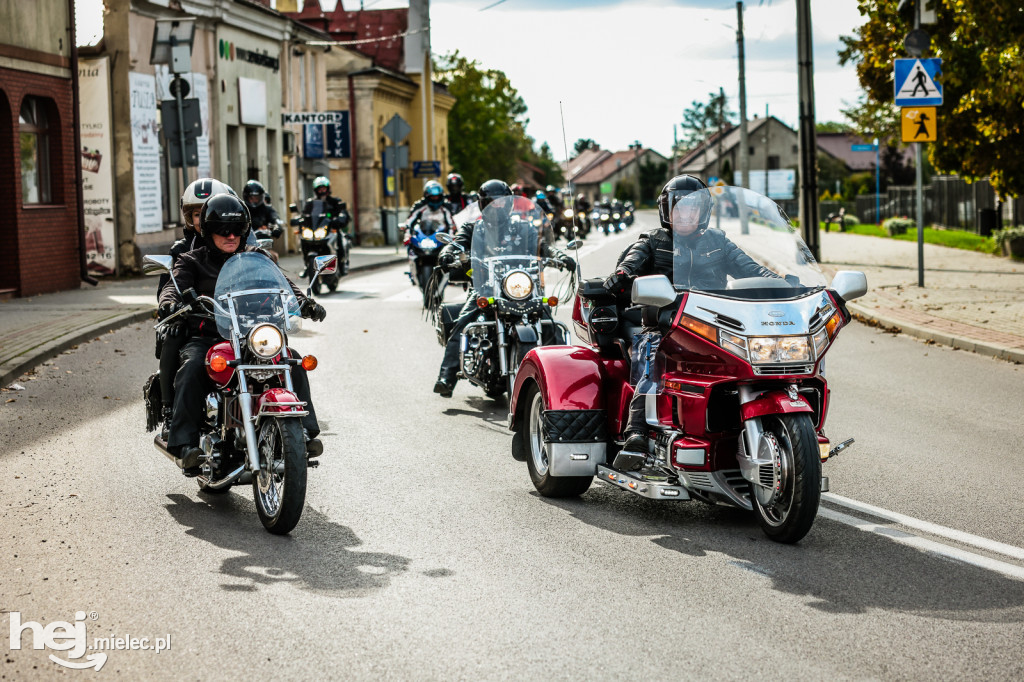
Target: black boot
[[445, 385], [165, 416], [633, 453]]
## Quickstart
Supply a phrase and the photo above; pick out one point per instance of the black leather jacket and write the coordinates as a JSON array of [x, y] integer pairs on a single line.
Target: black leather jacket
[[190, 241], [263, 215], [336, 207], [712, 258]]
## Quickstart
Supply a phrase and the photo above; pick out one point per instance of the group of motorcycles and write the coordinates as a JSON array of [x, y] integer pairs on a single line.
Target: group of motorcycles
[[732, 379]]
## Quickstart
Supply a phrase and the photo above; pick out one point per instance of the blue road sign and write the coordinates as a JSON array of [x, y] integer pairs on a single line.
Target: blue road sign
[[915, 82], [426, 169], [862, 148], [337, 134]]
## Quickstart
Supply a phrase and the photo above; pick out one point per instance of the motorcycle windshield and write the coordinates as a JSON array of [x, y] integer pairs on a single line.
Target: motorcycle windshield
[[506, 244], [319, 216], [433, 220], [252, 290], [470, 214], [736, 243]]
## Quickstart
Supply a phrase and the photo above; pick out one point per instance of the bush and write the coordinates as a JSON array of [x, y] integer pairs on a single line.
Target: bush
[[849, 220], [1011, 240], [897, 226]]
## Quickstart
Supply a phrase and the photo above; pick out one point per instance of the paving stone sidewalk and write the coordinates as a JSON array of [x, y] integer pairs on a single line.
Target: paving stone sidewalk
[[969, 300], [37, 328]]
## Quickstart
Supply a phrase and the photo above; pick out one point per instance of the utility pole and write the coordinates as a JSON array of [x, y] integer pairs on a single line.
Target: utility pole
[[767, 139], [744, 142], [808, 136], [721, 122]]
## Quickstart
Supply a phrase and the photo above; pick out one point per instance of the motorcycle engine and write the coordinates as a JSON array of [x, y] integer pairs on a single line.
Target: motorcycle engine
[[477, 345]]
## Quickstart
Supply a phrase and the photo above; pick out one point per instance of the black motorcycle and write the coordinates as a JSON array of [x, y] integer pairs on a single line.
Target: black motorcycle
[[319, 234]]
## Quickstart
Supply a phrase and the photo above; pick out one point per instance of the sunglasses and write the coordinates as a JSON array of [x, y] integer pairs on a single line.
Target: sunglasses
[[228, 230]]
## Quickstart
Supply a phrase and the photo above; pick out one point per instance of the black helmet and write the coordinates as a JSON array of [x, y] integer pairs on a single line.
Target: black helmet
[[253, 188], [224, 214], [675, 189], [491, 190], [454, 183]]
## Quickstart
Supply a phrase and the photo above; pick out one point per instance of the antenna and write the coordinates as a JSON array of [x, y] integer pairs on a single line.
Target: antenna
[[572, 193]]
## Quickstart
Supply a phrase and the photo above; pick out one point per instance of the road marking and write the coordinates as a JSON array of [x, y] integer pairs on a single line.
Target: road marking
[[925, 545], [928, 527]]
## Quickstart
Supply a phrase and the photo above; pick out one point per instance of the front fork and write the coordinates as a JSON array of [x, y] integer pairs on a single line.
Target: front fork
[[249, 420], [752, 433]]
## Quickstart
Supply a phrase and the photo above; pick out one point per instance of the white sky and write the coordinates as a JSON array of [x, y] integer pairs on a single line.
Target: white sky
[[624, 70]]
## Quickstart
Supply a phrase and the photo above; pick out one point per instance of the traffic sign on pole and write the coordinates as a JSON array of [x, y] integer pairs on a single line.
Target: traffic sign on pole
[[915, 82], [426, 169], [917, 124], [862, 147], [396, 129]]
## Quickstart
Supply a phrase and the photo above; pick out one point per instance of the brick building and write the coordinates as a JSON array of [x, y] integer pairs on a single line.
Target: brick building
[[42, 246]]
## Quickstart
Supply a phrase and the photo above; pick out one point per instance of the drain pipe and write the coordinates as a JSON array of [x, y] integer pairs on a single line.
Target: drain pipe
[[353, 141], [77, 137]]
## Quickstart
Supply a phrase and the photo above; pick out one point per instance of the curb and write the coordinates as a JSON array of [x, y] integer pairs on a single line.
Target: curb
[[17, 366], [872, 318]]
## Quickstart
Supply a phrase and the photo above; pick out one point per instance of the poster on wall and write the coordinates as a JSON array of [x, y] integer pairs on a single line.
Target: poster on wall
[[97, 165], [313, 141], [199, 89], [145, 153]]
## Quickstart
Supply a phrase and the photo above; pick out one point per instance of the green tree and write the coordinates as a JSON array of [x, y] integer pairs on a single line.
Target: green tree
[[704, 118], [652, 178], [583, 144], [832, 127], [487, 125], [546, 162], [981, 123], [872, 119]]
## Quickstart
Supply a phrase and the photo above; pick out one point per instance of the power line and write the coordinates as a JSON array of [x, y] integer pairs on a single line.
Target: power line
[[494, 4], [363, 41]]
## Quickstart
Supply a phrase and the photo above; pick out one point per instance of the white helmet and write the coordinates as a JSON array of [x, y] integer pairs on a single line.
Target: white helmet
[[196, 195]]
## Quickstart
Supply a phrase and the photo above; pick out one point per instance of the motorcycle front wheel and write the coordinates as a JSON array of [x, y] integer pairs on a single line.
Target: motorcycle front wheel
[[787, 513], [279, 487], [537, 456]]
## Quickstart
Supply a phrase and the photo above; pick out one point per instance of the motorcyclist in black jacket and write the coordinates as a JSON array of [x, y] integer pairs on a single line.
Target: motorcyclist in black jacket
[[262, 214], [712, 259], [336, 213], [224, 223], [449, 259], [456, 199]]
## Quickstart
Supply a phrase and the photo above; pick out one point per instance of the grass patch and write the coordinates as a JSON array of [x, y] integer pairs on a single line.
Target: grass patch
[[956, 239]]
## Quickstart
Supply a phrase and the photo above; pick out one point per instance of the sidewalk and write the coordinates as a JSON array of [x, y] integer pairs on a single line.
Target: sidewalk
[[35, 329], [970, 300]]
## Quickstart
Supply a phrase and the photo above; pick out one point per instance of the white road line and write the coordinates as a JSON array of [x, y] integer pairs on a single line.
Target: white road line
[[928, 527], [925, 545]]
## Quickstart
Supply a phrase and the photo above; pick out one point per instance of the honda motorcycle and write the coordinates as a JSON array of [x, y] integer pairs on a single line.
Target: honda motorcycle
[[515, 316], [319, 234], [252, 431], [733, 378]]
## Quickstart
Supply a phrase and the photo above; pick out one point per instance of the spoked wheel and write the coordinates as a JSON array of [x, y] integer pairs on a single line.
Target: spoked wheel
[[788, 491], [280, 485], [537, 455]]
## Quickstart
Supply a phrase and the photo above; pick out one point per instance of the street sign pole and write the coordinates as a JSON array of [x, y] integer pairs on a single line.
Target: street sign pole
[[920, 217], [878, 188]]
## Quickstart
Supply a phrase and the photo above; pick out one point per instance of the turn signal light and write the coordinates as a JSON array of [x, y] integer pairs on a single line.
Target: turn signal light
[[832, 325], [481, 302], [309, 363], [218, 363], [551, 301], [700, 328]]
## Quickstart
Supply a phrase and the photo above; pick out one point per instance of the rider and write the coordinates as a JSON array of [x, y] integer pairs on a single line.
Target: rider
[[456, 199], [336, 210], [262, 213], [709, 258], [170, 340], [448, 260], [224, 223], [433, 200]]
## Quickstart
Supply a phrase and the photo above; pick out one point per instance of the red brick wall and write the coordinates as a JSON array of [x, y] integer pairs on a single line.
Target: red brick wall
[[45, 238]]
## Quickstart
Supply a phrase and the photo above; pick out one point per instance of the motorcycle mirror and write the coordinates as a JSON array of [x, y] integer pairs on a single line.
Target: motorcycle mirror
[[850, 284], [156, 265], [653, 290], [264, 243], [573, 245], [327, 265], [293, 208], [445, 237]]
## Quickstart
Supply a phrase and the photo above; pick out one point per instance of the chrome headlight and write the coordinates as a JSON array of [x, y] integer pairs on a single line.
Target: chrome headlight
[[765, 349], [320, 233], [604, 216], [616, 216], [266, 340], [428, 244], [567, 213], [307, 233], [517, 285]]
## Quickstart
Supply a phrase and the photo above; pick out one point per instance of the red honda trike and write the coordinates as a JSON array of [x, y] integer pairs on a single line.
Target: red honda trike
[[732, 375]]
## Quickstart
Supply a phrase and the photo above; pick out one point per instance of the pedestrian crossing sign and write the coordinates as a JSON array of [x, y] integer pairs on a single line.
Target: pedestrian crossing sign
[[915, 82], [918, 124]]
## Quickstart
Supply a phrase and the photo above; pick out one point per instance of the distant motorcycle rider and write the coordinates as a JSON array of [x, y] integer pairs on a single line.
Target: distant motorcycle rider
[[224, 224], [433, 202], [456, 199], [712, 258], [262, 213], [449, 260], [334, 212]]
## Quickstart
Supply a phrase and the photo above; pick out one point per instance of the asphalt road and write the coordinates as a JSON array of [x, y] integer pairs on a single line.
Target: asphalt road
[[424, 552]]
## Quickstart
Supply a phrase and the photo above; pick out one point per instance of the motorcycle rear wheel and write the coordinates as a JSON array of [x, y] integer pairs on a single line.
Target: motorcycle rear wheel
[[789, 518], [537, 458], [279, 487]]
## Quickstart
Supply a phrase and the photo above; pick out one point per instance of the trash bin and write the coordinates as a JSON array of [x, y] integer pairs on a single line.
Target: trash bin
[[988, 221]]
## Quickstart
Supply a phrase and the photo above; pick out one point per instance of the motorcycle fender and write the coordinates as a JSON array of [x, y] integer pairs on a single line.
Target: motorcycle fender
[[526, 334], [569, 378], [276, 401], [773, 402]]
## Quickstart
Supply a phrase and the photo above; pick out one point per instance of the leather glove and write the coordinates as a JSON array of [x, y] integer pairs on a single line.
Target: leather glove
[[568, 262], [175, 329], [312, 310], [446, 261], [167, 309], [618, 283]]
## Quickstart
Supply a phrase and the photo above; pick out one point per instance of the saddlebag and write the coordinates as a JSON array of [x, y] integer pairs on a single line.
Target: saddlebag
[[576, 441], [154, 401], [447, 314]]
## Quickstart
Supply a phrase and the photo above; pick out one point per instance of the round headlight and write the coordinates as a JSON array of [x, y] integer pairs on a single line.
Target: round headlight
[[517, 285], [567, 213], [307, 233], [320, 233], [266, 340]]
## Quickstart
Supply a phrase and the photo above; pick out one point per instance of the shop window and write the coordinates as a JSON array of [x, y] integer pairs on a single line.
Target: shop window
[[34, 135], [773, 162]]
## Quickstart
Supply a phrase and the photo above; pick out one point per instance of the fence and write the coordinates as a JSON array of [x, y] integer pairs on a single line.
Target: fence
[[948, 202]]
